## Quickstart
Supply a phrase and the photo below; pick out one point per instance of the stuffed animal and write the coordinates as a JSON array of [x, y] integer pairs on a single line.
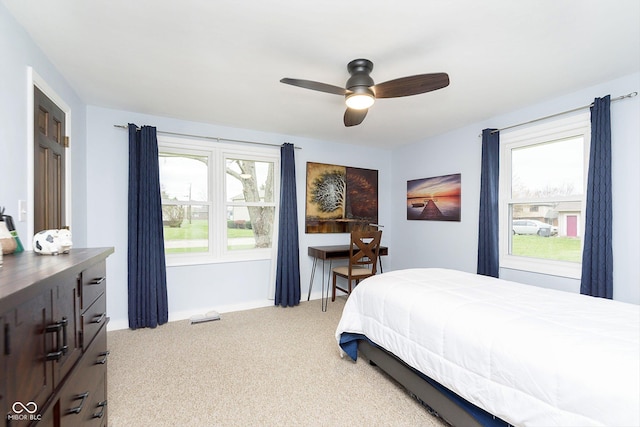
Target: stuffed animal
[[52, 242]]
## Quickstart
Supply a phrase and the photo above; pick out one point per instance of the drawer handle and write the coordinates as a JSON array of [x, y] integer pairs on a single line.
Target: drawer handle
[[101, 405], [104, 355], [97, 280], [54, 355], [59, 329], [78, 408], [98, 318]]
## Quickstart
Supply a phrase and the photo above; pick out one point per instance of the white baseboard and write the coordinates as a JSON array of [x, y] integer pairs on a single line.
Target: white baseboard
[[116, 324]]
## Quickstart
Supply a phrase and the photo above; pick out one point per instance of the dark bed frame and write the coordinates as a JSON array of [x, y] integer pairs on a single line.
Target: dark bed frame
[[417, 385]]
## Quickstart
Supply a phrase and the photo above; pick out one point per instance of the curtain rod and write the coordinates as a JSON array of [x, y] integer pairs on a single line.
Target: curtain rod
[[629, 95], [215, 138]]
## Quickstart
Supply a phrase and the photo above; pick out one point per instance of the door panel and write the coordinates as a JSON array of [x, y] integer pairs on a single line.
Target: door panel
[[49, 164]]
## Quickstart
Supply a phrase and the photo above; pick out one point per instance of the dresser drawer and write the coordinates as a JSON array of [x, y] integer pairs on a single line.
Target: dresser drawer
[[97, 415], [97, 353], [93, 319], [94, 284], [83, 400]]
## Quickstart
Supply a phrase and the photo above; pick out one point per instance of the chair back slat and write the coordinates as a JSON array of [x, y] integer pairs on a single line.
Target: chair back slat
[[364, 249]]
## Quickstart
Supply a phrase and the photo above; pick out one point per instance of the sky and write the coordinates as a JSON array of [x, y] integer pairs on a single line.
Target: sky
[[555, 164], [185, 178], [439, 186]]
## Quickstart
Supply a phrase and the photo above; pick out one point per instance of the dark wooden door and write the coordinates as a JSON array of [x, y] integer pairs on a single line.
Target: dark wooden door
[[49, 164]]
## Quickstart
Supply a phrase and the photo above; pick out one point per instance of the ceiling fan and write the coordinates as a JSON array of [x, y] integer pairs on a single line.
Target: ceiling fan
[[360, 92]]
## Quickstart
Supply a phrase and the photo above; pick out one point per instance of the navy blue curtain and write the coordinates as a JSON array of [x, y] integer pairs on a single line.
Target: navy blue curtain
[[597, 255], [488, 260], [147, 283], [288, 263]]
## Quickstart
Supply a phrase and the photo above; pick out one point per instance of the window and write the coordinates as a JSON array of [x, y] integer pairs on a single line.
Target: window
[[543, 172], [218, 201]]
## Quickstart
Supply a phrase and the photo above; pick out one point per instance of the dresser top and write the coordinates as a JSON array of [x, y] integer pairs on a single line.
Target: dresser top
[[20, 274]]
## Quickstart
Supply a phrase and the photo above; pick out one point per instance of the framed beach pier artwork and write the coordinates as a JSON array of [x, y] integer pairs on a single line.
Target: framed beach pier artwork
[[340, 199], [434, 199]]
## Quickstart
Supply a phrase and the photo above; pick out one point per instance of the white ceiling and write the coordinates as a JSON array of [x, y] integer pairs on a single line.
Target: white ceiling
[[221, 61]]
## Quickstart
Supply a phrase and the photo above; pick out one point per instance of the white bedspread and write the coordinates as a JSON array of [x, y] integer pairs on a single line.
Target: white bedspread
[[529, 355]]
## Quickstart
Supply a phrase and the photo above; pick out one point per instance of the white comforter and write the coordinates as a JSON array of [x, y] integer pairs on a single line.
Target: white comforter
[[531, 356]]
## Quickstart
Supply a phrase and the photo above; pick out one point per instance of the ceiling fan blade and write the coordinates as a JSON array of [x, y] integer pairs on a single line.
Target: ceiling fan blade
[[354, 117], [412, 85], [308, 84]]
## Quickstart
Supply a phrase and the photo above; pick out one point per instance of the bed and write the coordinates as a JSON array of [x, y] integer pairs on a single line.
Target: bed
[[485, 351]]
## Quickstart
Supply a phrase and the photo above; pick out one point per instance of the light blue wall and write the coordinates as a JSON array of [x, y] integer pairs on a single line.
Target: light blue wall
[[18, 54], [222, 286], [99, 186], [454, 245]]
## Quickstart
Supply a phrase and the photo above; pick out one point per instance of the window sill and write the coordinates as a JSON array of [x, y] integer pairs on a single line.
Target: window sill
[[191, 259], [569, 270]]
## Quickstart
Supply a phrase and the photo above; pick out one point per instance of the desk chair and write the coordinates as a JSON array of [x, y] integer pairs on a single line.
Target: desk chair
[[363, 258]]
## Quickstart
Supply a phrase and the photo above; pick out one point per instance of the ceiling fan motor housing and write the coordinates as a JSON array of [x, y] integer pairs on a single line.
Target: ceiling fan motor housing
[[359, 84], [359, 70]]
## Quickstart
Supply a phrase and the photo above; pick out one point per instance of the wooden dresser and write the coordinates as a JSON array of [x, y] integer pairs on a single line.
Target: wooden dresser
[[53, 339]]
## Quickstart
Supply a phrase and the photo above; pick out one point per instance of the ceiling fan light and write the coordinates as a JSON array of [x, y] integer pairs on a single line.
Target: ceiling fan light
[[360, 101]]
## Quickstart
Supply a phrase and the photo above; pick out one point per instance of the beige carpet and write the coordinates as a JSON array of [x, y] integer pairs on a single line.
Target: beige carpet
[[265, 367]]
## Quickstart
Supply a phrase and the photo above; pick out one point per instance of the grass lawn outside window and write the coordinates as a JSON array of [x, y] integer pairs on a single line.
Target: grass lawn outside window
[[555, 247], [197, 232]]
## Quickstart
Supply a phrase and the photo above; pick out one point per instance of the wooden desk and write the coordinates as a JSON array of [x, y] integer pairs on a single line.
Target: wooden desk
[[330, 253]]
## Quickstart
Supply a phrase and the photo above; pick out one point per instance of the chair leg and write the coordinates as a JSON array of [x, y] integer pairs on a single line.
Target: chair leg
[[333, 292]]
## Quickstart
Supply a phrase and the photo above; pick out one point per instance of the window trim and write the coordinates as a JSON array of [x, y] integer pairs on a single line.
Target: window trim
[[217, 153], [548, 131]]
